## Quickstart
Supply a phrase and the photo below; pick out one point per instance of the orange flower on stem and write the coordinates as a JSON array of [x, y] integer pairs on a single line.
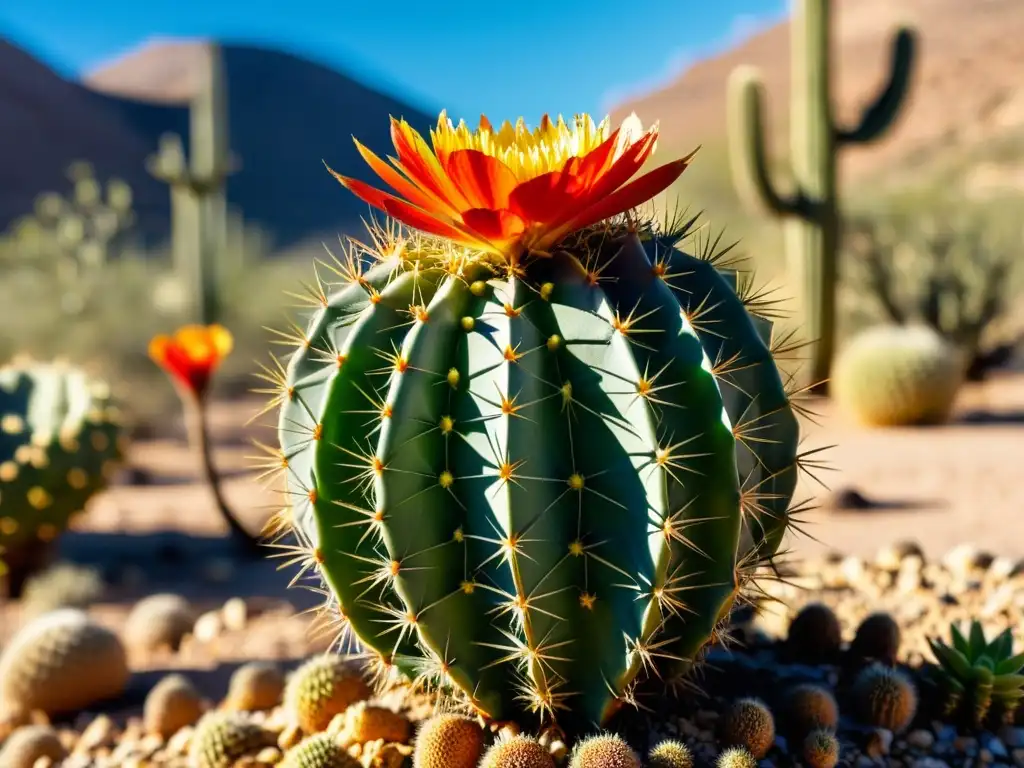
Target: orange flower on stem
[[192, 355], [513, 190]]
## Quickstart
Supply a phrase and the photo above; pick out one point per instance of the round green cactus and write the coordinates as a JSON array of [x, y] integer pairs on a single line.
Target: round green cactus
[[537, 480], [898, 376], [60, 440]]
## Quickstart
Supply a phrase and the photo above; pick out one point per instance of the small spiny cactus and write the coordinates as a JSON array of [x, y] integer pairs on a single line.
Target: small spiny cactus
[[898, 376], [364, 722], [60, 443], [255, 687], [172, 704], [736, 757], [221, 739], [814, 635], [809, 707], [519, 751], [748, 723], [884, 697], [877, 639], [159, 621], [62, 586], [62, 662], [670, 754], [448, 741], [321, 688], [318, 751], [607, 750], [30, 743], [821, 749]]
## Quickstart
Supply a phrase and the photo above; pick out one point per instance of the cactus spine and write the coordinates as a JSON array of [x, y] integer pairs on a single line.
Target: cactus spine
[[199, 219], [530, 480], [810, 213]]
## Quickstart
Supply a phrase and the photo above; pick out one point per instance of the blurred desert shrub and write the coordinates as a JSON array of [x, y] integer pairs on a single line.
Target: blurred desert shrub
[[97, 299], [953, 264]]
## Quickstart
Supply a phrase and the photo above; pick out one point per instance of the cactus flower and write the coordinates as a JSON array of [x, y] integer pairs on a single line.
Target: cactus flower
[[192, 354], [511, 191]]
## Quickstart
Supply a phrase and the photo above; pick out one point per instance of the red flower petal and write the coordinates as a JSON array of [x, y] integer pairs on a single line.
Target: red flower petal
[[409, 190], [498, 226], [426, 221], [595, 163], [484, 180], [417, 161], [543, 198], [630, 196]]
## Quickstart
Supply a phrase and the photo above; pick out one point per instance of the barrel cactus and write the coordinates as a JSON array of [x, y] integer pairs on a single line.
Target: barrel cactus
[[60, 440], [536, 476], [892, 376]]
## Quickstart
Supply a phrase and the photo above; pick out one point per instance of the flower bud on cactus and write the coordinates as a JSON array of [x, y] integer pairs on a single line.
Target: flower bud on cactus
[[814, 635], [448, 741], [478, 450], [749, 724], [62, 662], [607, 750], [60, 442], [884, 698], [736, 757], [670, 754], [321, 688], [318, 751], [808, 707], [221, 739], [517, 751], [898, 376], [877, 639], [821, 749]]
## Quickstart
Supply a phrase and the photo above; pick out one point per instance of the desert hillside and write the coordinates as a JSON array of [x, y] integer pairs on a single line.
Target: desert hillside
[[287, 116], [968, 93]]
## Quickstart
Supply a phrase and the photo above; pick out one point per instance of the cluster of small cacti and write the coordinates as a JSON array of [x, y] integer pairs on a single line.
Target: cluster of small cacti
[[748, 724], [977, 680], [323, 688], [542, 415], [898, 376], [884, 697], [60, 441]]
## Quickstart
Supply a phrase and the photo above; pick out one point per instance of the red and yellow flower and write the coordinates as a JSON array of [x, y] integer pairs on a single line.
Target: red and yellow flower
[[513, 190], [192, 354]]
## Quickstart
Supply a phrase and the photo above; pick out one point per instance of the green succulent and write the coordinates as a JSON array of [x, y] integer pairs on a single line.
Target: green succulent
[[976, 677], [532, 481]]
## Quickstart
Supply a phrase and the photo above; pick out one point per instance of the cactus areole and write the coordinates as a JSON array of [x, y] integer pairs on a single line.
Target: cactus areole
[[533, 464]]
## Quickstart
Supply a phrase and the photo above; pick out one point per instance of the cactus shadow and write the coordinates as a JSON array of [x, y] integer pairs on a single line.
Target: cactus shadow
[[853, 500], [200, 568], [987, 417]]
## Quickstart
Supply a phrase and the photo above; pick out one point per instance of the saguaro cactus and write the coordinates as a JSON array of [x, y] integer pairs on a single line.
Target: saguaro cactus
[[810, 211], [198, 202]]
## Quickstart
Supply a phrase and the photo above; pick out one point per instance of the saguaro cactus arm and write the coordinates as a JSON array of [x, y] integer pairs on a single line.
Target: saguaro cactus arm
[[882, 112], [748, 150]]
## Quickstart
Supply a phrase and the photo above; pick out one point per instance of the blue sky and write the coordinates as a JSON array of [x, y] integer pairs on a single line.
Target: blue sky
[[504, 59]]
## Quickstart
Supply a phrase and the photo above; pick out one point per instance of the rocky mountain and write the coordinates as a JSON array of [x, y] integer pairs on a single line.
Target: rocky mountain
[[967, 97], [287, 116]]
